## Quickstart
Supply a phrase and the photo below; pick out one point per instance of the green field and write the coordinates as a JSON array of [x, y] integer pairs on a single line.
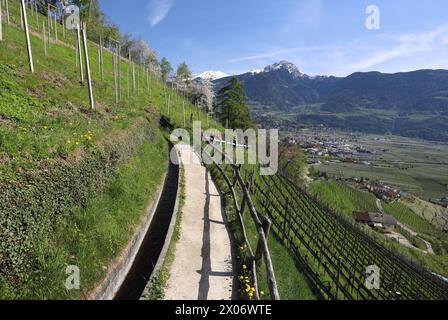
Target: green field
[[414, 166]]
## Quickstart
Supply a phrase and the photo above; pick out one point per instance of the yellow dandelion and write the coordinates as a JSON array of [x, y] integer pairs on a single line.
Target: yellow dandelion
[[244, 267]]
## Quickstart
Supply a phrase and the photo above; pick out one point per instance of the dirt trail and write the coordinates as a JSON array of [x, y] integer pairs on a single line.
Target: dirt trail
[[202, 267]]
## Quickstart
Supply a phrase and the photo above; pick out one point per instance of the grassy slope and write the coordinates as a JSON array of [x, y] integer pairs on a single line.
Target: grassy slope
[[342, 197], [45, 115]]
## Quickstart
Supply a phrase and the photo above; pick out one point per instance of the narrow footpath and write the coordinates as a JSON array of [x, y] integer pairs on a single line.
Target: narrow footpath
[[202, 268]]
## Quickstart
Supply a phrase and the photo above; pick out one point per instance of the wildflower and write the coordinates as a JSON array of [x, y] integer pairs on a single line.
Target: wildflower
[[244, 267], [261, 293], [241, 278], [45, 127]]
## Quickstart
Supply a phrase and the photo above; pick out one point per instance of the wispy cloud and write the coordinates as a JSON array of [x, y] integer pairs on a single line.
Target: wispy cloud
[[158, 10], [405, 45]]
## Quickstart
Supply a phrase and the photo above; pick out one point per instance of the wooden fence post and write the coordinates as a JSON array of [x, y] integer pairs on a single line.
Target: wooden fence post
[[86, 58], [267, 228], [27, 36], [338, 277]]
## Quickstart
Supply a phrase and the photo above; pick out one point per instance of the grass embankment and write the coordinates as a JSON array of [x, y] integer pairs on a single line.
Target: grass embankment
[[292, 284], [346, 200], [74, 182]]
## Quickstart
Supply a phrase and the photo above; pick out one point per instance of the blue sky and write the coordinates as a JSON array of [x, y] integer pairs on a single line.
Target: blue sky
[[322, 37]]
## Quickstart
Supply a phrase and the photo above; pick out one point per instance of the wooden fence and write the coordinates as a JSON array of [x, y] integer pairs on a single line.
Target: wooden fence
[[238, 186]]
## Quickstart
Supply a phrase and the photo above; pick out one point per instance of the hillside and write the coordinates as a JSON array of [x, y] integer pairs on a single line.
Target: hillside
[[75, 182], [412, 104]]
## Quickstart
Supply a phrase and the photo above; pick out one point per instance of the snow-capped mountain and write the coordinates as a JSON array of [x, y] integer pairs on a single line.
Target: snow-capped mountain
[[287, 66], [212, 75]]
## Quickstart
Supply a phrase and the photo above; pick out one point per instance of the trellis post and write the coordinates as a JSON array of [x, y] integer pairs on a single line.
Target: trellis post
[[81, 71], [8, 22], [27, 36], [44, 38], [55, 29], [86, 58], [114, 60], [21, 16], [1, 22]]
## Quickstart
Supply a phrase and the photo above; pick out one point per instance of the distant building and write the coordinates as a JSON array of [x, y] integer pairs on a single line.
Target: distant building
[[376, 220]]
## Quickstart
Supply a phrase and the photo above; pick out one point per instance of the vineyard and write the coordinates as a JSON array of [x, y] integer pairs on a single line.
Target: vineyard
[[335, 252], [332, 251]]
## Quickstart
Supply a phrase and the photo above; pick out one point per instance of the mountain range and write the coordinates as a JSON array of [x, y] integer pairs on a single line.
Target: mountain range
[[412, 104]]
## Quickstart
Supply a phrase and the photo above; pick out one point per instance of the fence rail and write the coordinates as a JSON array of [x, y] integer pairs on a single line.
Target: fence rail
[[236, 184]]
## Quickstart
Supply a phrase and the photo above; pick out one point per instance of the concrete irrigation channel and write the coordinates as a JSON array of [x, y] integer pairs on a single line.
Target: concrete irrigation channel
[[151, 252]]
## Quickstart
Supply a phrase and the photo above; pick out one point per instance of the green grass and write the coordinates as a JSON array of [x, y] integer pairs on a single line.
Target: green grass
[[45, 120], [92, 237], [408, 217], [46, 114], [292, 283], [343, 198]]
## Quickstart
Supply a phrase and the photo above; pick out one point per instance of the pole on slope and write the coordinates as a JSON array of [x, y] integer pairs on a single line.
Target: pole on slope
[[1, 23], [183, 110], [8, 22], [55, 29], [44, 37], [27, 36], [133, 78], [81, 71], [21, 16], [115, 62], [86, 59], [119, 70], [127, 81], [63, 25], [76, 53], [36, 13], [102, 59]]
